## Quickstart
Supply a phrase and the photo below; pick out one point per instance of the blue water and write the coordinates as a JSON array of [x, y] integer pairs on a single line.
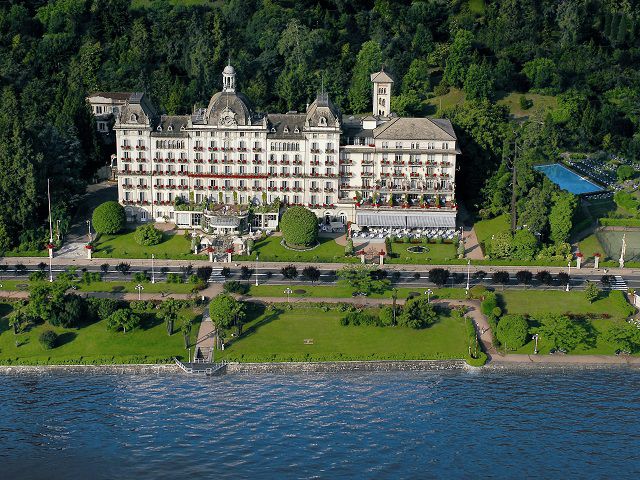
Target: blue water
[[547, 424], [568, 180]]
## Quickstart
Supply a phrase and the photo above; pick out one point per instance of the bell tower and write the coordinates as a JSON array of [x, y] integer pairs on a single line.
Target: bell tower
[[382, 84], [229, 79]]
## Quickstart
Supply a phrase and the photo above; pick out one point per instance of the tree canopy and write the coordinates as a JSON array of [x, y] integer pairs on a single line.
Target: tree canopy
[[299, 226]]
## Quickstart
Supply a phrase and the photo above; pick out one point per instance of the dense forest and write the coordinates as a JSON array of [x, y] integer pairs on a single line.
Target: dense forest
[[585, 53]]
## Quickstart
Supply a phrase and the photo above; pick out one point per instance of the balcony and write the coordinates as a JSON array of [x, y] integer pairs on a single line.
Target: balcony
[[140, 147], [366, 174]]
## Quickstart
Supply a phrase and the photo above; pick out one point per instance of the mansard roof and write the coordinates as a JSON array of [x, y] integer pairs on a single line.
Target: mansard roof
[[411, 128], [171, 125], [322, 112], [285, 126], [138, 110]]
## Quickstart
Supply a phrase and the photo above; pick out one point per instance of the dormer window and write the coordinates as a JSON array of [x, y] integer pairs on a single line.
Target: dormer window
[[133, 118], [170, 128], [159, 128], [182, 129], [297, 130], [273, 130], [286, 129], [322, 121]]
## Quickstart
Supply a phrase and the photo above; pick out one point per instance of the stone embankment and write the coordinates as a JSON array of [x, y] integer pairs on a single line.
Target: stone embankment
[[342, 367], [142, 369]]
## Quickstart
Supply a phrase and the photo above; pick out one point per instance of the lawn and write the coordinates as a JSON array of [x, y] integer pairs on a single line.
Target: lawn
[[270, 249], [477, 6], [485, 228], [438, 253], [94, 344], [450, 99], [611, 241], [535, 302], [596, 346], [541, 104], [341, 291], [591, 245], [274, 336], [115, 287], [26, 253], [174, 246]]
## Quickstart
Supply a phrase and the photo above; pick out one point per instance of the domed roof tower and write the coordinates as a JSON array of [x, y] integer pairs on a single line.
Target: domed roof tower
[[229, 108]]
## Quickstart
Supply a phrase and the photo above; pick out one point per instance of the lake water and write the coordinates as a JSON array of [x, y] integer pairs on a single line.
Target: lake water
[[547, 424], [567, 179]]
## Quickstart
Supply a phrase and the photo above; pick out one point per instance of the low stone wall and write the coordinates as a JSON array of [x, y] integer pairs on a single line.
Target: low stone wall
[[143, 369], [338, 367]]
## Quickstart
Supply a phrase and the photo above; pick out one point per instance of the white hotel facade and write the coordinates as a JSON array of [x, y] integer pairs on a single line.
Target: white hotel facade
[[207, 167]]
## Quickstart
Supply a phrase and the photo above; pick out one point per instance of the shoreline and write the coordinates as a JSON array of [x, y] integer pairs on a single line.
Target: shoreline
[[527, 362]]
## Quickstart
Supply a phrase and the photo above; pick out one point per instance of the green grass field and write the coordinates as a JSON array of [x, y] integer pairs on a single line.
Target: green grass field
[[438, 253], [270, 250], [477, 6], [174, 246], [485, 228], [280, 337], [541, 104], [27, 253], [535, 302], [611, 242], [450, 99], [591, 245], [115, 287], [540, 302], [321, 291], [94, 344], [596, 345]]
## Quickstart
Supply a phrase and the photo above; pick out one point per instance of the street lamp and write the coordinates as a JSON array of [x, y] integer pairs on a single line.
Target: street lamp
[[139, 288], [569, 278], [428, 293], [288, 291], [89, 225], [468, 274], [58, 229], [535, 349], [256, 269], [153, 272]]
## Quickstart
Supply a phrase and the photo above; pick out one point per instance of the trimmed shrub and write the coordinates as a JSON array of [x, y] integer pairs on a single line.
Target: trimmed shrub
[[48, 339], [489, 303], [299, 226], [147, 235], [233, 286], [512, 331], [360, 318], [109, 218]]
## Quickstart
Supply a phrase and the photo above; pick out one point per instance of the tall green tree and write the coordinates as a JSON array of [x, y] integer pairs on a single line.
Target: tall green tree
[[459, 59], [368, 61]]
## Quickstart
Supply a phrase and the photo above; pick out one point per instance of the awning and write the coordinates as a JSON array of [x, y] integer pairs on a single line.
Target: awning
[[407, 220]]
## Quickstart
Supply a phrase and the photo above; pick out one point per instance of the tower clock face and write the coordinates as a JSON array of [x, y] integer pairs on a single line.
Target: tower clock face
[[227, 118]]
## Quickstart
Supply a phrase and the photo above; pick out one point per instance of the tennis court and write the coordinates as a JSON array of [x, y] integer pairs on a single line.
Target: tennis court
[[611, 241]]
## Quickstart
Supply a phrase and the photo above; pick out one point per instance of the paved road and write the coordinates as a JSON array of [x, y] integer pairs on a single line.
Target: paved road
[[269, 272]]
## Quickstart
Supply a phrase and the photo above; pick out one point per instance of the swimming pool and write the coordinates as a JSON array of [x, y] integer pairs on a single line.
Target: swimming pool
[[568, 180]]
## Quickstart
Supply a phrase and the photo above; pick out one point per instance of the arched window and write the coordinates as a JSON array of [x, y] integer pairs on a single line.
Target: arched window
[[133, 118], [322, 121]]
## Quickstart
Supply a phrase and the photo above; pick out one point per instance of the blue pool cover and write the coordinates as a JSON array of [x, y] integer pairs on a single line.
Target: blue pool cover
[[568, 180]]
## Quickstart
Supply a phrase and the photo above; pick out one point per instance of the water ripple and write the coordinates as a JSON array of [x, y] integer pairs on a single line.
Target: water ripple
[[572, 424]]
